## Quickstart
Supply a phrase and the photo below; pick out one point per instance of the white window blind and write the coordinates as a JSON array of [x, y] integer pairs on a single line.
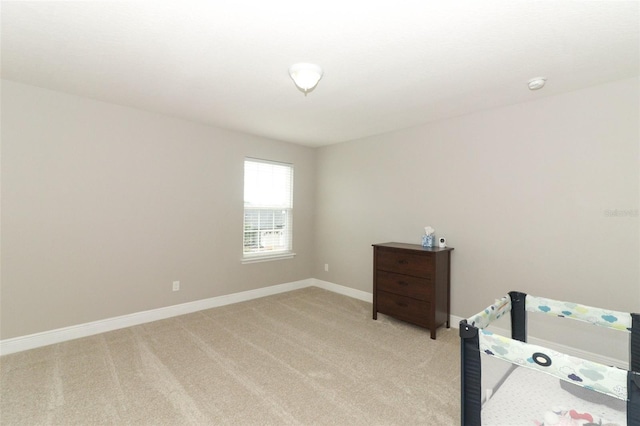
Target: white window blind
[[268, 209]]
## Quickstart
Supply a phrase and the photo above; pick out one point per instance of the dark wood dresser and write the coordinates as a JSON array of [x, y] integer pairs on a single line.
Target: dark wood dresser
[[412, 283]]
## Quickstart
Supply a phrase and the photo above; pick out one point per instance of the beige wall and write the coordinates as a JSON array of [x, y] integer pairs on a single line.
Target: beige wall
[[520, 193], [104, 206]]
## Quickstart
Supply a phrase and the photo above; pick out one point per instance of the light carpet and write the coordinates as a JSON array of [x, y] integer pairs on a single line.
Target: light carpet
[[306, 357]]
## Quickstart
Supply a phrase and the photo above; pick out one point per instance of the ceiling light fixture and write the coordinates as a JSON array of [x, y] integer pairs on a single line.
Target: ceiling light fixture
[[537, 83], [306, 76]]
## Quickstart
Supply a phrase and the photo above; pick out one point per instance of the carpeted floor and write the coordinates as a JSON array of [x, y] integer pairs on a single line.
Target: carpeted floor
[[307, 357]]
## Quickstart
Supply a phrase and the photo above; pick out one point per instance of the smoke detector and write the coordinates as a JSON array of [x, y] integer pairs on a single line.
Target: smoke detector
[[537, 83]]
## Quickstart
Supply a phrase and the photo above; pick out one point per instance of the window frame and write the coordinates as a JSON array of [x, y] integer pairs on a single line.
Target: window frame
[[270, 210]]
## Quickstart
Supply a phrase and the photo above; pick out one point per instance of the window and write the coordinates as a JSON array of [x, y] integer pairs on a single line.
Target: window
[[268, 210]]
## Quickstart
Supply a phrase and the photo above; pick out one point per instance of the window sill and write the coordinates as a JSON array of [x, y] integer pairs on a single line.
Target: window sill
[[267, 258]]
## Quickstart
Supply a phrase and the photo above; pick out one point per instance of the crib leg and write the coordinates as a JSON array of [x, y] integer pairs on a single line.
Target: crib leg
[[633, 404], [471, 376]]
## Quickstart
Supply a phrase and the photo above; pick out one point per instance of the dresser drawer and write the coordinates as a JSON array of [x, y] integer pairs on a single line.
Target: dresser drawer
[[404, 262], [405, 285], [404, 308]]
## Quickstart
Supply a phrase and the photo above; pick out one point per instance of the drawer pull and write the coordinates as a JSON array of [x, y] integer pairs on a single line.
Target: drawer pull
[[403, 283], [404, 305], [403, 261]]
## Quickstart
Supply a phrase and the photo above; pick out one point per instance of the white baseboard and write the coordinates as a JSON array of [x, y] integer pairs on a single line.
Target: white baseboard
[[50, 337], [59, 335], [347, 291]]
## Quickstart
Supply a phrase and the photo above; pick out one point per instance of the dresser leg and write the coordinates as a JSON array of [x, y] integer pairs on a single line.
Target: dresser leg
[[433, 334]]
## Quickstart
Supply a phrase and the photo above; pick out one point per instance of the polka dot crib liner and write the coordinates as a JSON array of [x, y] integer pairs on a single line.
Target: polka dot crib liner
[[597, 316], [608, 380]]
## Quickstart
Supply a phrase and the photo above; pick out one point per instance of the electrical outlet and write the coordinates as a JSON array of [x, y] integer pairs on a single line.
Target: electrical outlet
[[326, 267], [176, 285]]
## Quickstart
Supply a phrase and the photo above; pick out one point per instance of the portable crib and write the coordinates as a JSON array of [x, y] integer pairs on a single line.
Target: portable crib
[[597, 384]]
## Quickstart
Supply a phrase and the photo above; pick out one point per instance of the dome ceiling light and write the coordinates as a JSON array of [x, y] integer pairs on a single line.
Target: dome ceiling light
[[306, 76]]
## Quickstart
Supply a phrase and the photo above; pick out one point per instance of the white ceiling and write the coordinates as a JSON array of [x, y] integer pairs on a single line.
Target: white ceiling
[[388, 65]]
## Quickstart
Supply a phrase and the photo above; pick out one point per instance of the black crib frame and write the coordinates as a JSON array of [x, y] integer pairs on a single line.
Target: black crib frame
[[471, 368]]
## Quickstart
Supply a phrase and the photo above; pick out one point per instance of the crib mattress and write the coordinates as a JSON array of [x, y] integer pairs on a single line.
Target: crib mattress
[[528, 397]]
